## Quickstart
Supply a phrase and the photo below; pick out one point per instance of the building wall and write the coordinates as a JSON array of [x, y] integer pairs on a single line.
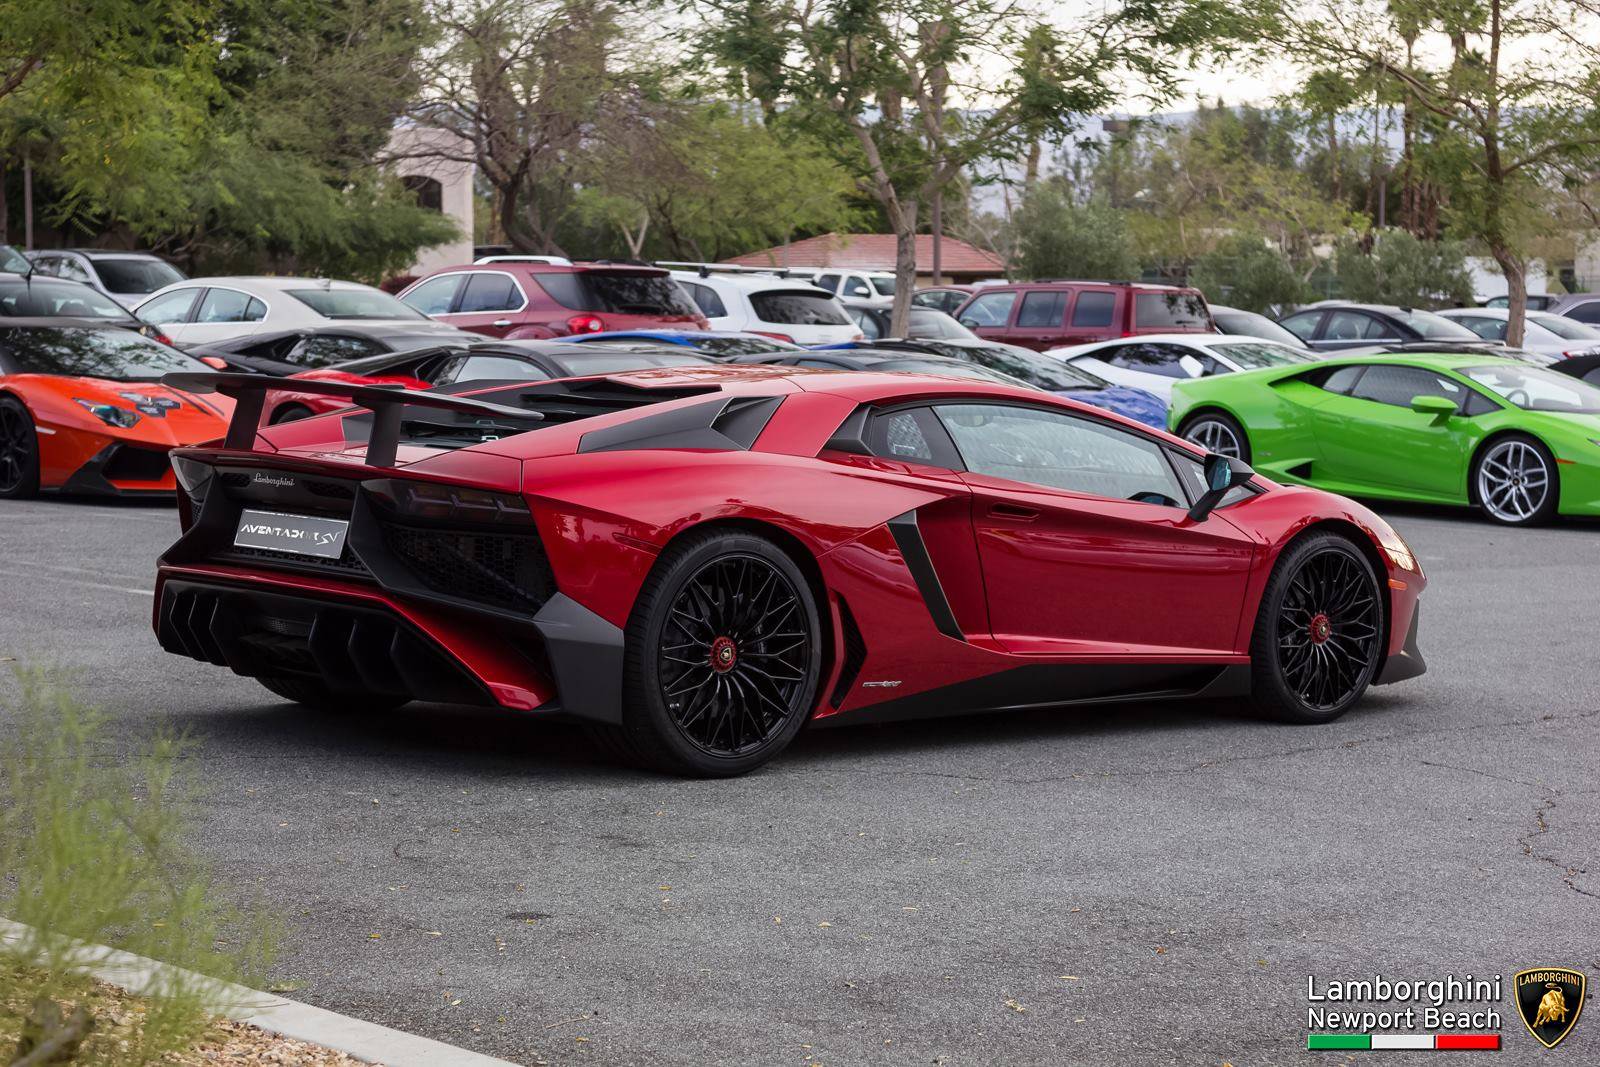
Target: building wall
[[409, 154]]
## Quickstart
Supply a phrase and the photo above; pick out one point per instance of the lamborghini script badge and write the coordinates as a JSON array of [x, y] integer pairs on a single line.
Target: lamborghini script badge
[[1549, 1000]]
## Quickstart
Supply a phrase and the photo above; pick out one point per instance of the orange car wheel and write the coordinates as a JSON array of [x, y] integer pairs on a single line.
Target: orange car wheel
[[19, 451]]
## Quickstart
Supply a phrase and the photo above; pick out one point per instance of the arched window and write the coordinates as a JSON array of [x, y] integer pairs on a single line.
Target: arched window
[[428, 191]]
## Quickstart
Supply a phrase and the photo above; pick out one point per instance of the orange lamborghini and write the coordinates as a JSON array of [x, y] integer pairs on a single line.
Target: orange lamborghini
[[82, 409]]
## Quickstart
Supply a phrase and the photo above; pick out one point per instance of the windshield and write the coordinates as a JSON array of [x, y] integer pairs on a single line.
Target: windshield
[[12, 260], [926, 322], [1563, 327], [619, 292], [1536, 389], [1252, 325], [582, 363], [884, 286], [951, 369], [92, 352], [136, 276], [1040, 371], [1435, 327], [53, 298], [1253, 355], [355, 304], [1175, 308]]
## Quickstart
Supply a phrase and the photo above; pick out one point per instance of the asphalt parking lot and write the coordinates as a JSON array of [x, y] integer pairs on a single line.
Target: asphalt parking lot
[[1121, 885]]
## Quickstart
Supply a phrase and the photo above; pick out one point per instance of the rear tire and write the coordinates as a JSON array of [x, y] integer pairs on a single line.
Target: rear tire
[[723, 658], [19, 451], [313, 694], [289, 413], [1217, 432], [1319, 632]]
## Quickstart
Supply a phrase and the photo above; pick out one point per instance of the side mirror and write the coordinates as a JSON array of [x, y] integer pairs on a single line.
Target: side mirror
[[1192, 367], [1222, 474], [1441, 408]]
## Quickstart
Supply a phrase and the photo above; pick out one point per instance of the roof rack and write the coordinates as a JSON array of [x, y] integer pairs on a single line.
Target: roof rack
[[705, 270], [554, 261]]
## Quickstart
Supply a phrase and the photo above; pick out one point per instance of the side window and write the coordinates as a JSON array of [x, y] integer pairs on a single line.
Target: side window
[[256, 311], [906, 435], [1151, 359], [1385, 384], [47, 265], [829, 282], [1302, 324], [928, 300], [990, 309], [1042, 309], [497, 368], [854, 286], [434, 296], [174, 307], [1488, 329], [1061, 451], [867, 321], [1342, 379], [1589, 312], [71, 268], [1094, 309], [489, 291], [706, 299], [1349, 326], [224, 305]]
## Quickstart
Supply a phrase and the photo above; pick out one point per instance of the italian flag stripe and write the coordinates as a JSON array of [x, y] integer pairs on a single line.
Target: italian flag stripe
[[1362, 1042]]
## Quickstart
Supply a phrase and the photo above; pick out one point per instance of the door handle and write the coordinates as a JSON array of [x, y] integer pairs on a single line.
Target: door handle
[[501, 322], [1014, 511]]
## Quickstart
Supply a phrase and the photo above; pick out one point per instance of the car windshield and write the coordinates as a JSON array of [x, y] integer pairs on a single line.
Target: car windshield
[[1253, 355], [355, 304], [1536, 389], [13, 261], [136, 276], [1252, 325], [1032, 368], [1565, 328], [619, 292], [92, 352], [585, 361], [1175, 308], [884, 286], [926, 322], [741, 346], [1435, 327], [51, 298], [952, 369], [800, 307]]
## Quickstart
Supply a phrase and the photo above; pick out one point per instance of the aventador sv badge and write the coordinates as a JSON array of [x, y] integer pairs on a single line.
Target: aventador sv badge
[[1549, 1000]]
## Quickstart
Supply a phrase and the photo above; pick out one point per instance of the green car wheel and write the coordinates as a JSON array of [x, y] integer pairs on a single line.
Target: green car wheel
[[1515, 482], [1216, 432]]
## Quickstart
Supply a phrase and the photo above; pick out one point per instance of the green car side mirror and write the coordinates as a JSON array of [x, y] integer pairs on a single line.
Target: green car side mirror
[[1222, 474], [1441, 408]]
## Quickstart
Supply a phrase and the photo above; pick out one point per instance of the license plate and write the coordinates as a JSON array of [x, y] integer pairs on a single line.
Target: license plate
[[302, 535]]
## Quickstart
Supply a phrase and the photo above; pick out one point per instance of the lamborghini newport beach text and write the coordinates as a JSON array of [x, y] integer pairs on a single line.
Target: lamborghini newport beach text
[[695, 561]]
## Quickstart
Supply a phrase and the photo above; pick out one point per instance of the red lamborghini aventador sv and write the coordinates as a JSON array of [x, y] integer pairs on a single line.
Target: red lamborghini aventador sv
[[696, 561]]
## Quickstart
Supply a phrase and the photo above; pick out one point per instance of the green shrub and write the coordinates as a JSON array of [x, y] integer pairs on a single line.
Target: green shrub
[[94, 846]]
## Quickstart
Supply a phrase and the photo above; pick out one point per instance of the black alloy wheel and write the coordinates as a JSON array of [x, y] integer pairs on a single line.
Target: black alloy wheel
[[19, 451], [1319, 631], [722, 659]]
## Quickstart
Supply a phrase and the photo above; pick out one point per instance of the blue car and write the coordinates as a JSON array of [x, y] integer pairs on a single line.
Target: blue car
[[1031, 368], [719, 344]]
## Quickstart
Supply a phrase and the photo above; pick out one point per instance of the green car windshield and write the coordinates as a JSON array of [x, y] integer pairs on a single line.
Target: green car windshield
[[1253, 355], [1536, 389]]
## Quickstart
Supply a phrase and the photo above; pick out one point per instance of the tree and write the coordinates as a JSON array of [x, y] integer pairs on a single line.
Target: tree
[[1057, 238], [1248, 271], [1510, 85], [912, 93], [1401, 269]]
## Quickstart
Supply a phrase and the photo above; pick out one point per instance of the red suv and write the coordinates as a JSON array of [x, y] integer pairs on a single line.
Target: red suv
[[553, 298], [1049, 314]]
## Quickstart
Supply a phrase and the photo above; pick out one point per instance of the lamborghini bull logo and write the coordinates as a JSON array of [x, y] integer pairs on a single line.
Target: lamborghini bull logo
[[1550, 999]]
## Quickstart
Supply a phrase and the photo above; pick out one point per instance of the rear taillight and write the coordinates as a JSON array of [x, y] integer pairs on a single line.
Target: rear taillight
[[778, 336], [585, 324], [432, 500]]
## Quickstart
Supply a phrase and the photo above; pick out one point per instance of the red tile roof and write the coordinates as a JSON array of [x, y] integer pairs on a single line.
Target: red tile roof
[[872, 251]]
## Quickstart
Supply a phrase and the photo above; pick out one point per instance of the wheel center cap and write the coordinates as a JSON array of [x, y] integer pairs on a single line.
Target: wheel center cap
[[724, 654], [1320, 627]]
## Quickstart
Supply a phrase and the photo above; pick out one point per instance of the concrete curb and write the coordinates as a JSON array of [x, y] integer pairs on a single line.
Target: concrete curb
[[287, 1018]]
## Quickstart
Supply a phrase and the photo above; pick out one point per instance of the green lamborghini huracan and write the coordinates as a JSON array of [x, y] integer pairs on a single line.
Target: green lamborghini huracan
[[1518, 441]]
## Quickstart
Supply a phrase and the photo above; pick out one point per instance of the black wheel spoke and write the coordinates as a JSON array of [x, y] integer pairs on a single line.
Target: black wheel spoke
[[736, 655]]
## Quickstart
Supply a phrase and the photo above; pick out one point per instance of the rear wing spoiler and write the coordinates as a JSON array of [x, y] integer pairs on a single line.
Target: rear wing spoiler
[[386, 402]]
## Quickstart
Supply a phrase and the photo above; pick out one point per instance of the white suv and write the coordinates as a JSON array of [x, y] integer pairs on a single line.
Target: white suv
[[784, 308], [873, 286]]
